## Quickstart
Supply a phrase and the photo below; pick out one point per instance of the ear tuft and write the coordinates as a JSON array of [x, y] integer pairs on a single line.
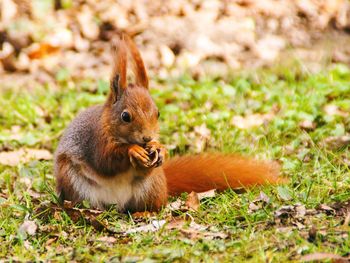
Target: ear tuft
[[115, 84], [118, 82], [138, 66]]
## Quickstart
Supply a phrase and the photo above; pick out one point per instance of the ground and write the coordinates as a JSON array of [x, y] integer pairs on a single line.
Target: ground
[[290, 115]]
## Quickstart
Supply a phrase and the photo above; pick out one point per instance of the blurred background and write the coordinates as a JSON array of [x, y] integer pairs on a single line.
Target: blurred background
[[41, 40]]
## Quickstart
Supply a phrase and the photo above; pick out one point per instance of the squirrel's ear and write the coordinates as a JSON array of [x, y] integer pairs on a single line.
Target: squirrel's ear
[[118, 82], [138, 67]]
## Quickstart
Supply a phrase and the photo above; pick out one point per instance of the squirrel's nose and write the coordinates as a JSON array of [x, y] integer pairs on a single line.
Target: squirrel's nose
[[147, 138]]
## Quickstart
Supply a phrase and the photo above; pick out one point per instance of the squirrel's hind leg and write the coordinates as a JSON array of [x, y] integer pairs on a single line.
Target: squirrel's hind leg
[[64, 188]]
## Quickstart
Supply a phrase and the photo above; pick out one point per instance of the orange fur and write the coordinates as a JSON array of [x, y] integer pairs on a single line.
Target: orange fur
[[120, 63], [138, 67], [64, 187], [100, 145], [201, 173]]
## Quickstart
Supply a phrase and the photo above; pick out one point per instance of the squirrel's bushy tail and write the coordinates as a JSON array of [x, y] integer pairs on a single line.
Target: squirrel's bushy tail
[[203, 172]]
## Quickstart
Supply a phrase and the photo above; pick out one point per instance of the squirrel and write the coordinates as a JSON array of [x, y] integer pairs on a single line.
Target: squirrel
[[110, 153]]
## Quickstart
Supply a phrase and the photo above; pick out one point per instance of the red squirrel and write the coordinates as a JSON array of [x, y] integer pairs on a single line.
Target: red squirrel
[[110, 153]]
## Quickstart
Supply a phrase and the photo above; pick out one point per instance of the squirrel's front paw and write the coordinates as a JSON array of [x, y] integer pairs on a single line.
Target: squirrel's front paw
[[139, 156], [156, 152]]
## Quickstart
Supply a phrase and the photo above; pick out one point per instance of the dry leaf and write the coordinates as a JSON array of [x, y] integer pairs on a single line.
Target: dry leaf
[[193, 201], [259, 202], [268, 48], [87, 23], [251, 121], [39, 51], [6, 50], [194, 230], [333, 110], [326, 208], [154, 226], [61, 37], [347, 219], [8, 10], [176, 205], [28, 227], [13, 158], [202, 130], [323, 256], [166, 55], [50, 241], [27, 245], [107, 239], [76, 213], [300, 210], [207, 194], [188, 60], [145, 214], [336, 142], [307, 125], [253, 207], [263, 197], [297, 211]]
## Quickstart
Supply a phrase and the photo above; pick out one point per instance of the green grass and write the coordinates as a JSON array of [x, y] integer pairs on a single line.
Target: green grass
[[318, 174]]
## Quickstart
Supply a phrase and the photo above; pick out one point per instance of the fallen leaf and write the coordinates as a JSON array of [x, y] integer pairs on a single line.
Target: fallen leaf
[[202, 130], [284, 211], [8, 10], [154, 226], [39, 51], [28, 227], [284, 193], [107, 239], [176, 205], [50, 241], [13, 158], [193, 230], [208, 194], [323, 256], [68, 204], [87, 23], [145, 214], [347, 219], [334, 110], [253, 207], [326, 208], [268, 48], [263, 197], [300, 210], [307, 125], [193, 201], [167, 56], [336, 142], [259, 202], [251, 121], [61, 37], [27, 245], [188, 59]]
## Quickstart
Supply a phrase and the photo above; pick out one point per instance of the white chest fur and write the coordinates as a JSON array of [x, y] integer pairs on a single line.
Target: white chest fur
[[115, 190]]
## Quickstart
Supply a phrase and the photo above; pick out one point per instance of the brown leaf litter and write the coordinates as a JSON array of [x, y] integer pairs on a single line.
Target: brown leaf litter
[[321, 256], [230, 35], [28, 227], [23, 155]]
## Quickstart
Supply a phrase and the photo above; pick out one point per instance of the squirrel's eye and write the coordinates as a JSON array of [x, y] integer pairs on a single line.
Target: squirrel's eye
[[125, 116], [158, 114]]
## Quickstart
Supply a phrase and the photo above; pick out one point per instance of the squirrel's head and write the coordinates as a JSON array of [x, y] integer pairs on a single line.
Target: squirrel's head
[[132, 114]]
